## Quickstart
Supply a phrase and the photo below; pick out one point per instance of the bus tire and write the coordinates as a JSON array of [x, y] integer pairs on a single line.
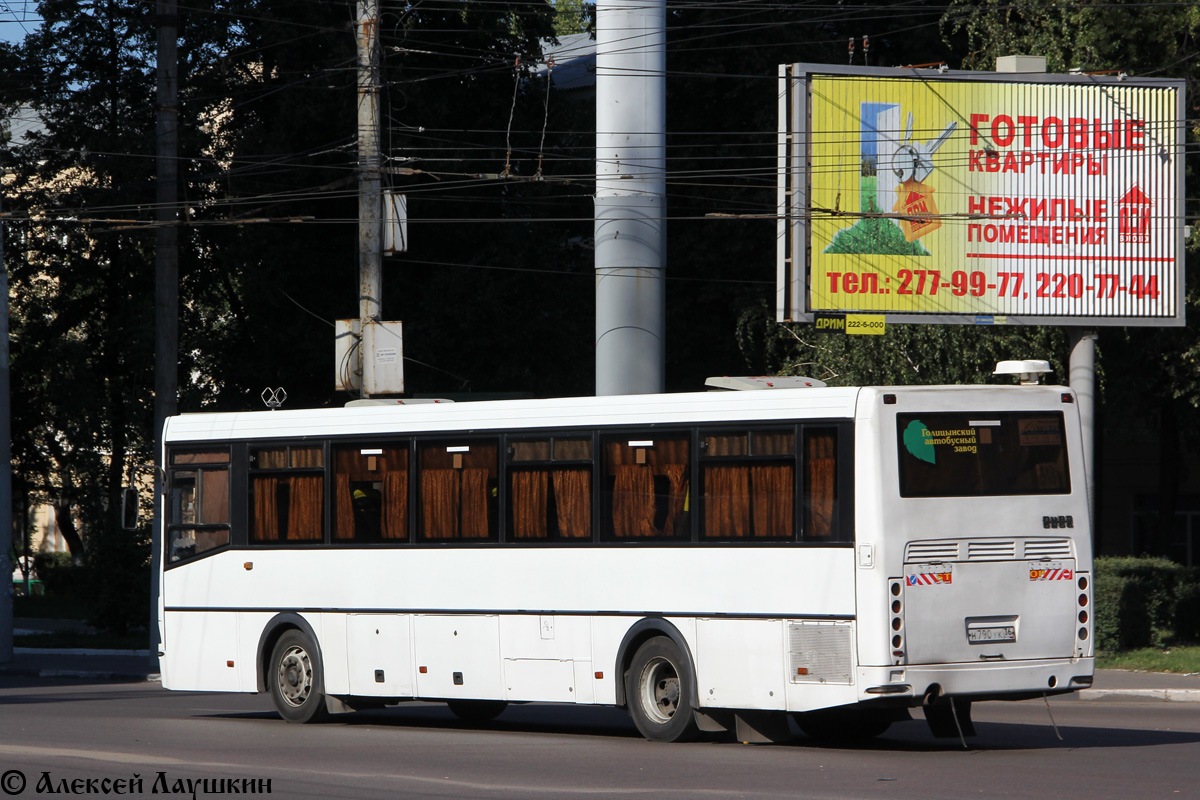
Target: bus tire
[[476, 711], [660, 692], [294, 674]]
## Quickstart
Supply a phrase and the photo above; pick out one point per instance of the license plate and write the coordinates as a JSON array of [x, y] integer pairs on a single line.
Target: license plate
[[998, 633]]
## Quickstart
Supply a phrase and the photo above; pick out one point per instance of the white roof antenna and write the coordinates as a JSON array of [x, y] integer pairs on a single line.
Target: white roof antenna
[[1029, 371]]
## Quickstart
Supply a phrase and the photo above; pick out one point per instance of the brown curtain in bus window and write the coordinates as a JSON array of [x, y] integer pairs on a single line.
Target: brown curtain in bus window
[[726, 502], [395, 504], [573, 497], [772, 500], [214, 500], [529, 501], [265, 525], [343, 509], [678, 507], [305, 509], [439, 503], [474, 504], [633, 502], [821, 469]]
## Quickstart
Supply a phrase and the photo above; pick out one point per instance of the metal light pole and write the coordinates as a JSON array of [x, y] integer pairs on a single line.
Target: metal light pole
[[630, 216]]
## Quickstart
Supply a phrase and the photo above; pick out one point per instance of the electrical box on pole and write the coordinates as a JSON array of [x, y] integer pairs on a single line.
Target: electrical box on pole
[[377, 344]]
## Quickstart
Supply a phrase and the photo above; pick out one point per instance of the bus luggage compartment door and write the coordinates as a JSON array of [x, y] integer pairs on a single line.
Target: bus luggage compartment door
[[989, 611]]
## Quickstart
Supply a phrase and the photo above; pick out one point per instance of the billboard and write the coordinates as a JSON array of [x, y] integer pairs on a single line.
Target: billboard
[[991, 198]]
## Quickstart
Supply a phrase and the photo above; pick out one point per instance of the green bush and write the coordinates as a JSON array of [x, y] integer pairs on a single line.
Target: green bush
[[1187, 609], [1143, 602]]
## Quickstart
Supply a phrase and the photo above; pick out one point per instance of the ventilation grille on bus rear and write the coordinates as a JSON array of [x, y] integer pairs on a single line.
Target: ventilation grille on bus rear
[[1047, 548], [991, 550], [931, 551], [986, 550], [820, 653]]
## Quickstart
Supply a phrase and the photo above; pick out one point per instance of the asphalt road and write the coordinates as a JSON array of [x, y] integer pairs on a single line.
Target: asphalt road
[[56, 735]]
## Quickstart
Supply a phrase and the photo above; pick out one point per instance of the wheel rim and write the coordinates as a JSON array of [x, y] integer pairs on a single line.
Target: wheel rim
[[660, 690], [295, 676]]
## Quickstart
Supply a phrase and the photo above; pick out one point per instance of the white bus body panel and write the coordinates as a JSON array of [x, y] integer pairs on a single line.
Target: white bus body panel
[[565, 612]]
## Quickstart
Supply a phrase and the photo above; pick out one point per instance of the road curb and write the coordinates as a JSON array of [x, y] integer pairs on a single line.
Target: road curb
[[1163, 695]]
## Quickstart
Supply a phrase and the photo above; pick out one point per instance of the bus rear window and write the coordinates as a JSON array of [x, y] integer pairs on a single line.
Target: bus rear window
[[982, 454]]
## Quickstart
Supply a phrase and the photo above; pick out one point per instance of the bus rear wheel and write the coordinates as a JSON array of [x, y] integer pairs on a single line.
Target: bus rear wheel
[[297, 685], [660, 692]]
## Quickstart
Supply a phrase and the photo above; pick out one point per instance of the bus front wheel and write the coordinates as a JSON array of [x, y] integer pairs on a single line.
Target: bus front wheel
[[660, 692], [297, 685]]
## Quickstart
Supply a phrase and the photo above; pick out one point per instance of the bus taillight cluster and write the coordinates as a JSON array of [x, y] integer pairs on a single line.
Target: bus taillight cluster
[[1085, 616], [897, 589]]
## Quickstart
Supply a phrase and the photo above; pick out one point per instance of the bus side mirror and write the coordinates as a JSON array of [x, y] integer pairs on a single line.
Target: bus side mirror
[[129, 509]]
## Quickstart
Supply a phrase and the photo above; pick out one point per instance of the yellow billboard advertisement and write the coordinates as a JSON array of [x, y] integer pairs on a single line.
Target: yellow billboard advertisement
[[993, 198]]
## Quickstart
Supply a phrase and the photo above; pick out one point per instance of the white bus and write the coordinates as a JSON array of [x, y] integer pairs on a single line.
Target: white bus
[[709, 561]]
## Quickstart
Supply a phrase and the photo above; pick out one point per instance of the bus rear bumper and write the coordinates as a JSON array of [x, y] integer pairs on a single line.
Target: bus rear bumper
[[1010, 680]]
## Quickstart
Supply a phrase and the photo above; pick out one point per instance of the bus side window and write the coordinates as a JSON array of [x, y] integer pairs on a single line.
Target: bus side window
[[550, 489], [819, 495], [458, 487], [371, 493], [647, 477], [748, 484], [198, 496], [287, 494]]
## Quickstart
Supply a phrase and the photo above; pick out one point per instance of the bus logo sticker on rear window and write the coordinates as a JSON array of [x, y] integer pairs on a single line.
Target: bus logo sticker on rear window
[[917, 443], [922, 443], [1050, 572]]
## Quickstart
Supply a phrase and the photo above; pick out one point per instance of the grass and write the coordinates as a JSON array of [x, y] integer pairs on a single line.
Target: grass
[[1183, 660]]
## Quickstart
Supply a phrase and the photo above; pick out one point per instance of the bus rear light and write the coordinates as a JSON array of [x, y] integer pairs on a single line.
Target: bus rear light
[[1083, 634], [1083, 600], [895, 606], [897, 623], [1067, 397], [896, 642], [1083, 617], [1083, 582]]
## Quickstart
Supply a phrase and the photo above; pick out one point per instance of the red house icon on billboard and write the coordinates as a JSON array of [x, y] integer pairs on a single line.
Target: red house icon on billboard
[[1133, 216]]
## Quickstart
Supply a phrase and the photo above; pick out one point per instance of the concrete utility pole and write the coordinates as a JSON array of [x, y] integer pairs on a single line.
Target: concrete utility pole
[[630, 216], [370, 257], [1082, 379], [166, 273], [6, 528]]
